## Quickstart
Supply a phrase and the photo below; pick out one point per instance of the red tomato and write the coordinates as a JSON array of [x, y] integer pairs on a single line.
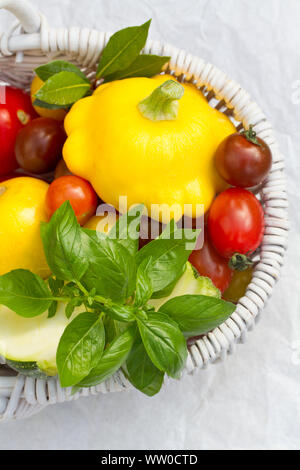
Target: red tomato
[[210, 264], [243, 159], [236, 222], [15, 112], [78, 191]]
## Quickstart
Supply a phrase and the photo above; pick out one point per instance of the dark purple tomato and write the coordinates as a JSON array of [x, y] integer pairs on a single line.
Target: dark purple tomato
[[243, 159], [39, 145]]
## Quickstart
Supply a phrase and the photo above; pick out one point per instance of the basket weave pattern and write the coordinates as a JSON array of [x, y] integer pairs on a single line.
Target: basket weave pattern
[[22, 48]]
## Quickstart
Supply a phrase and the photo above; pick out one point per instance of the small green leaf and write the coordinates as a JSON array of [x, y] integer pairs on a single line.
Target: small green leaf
[[25, 293], [141, 372], [113, 358], [71, 307], [55, 285], [143, 283], [52, 68], [145, 65], [122, 49], [197, 314], [80, 348], [164, 343], [126, 229], [122, 313], [112, 270], [70, 290], [64, 244], [63, 89], [52, 309]]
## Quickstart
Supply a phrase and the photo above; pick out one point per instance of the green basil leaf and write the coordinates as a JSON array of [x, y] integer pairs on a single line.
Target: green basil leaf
[[69, 310], [64, 244], [141, 372], [52, 68], [122, 313], [122, 49], [164, 343], [169, 257], [112, 359], [25, 293], [143, 283], [145, 65], [112, 270], [80, 348], [126, 229], [197, 314], [63, 89], [52, 309]]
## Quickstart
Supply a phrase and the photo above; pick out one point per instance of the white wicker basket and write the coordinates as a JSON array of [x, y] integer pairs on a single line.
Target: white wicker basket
[[30, 42]]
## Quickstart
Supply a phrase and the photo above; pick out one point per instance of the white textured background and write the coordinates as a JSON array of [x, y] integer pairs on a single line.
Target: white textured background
[[252, 401]]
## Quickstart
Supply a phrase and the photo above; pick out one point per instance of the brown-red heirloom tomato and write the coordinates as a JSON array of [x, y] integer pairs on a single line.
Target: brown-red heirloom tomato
[[210, 264], [236, 222], [15, 112], [243, 159], [78, 191], [39, 145]]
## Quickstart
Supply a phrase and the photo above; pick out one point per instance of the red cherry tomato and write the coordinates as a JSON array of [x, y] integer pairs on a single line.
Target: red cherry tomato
[[39, 145], [236, 222], [210, 264], [15, 112], [78, 191], [243, 159]]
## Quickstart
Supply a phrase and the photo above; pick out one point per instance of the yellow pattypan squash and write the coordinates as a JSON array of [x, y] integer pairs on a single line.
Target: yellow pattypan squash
[[150, 139]]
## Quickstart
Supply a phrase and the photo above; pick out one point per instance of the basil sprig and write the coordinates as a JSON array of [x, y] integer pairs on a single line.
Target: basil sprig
[[65, 83], [106, 285]]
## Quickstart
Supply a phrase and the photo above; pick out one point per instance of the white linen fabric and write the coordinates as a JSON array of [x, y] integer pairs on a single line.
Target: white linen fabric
[[252, 400]]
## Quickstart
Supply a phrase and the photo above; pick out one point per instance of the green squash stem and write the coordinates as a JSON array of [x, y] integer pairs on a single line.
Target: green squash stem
[[162, 104]]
